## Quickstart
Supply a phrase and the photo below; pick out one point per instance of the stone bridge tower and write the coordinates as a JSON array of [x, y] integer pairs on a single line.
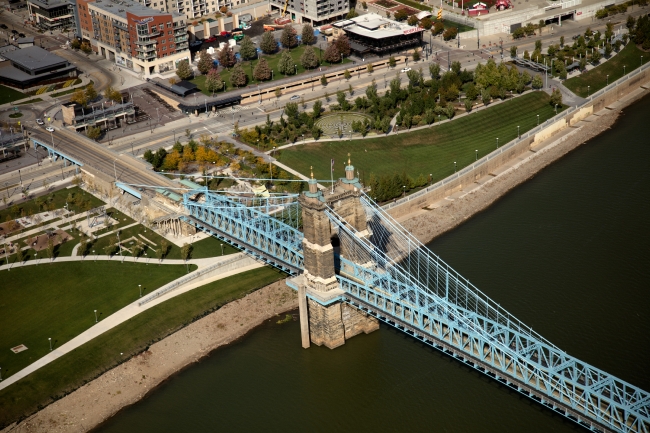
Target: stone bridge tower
[[324, 319]]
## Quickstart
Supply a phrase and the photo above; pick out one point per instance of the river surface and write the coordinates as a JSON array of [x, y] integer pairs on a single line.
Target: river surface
[[567, 253]]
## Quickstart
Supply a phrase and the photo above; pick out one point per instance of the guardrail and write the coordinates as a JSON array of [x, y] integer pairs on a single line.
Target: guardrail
[[517, 141], [192, 276]]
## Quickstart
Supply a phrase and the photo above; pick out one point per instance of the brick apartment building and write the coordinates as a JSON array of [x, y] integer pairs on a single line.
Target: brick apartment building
[[145, 40]]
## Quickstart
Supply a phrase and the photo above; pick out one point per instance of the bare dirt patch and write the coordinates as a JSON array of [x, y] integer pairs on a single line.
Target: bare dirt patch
[[39, 242]]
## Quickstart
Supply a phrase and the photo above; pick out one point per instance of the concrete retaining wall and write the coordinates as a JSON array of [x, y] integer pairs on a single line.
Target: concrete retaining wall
[[517, 147]]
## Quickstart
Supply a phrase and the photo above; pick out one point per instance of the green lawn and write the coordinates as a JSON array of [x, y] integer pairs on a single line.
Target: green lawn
[[57, 199], [8, 94], [95, 357], [596, 79], [429, 150], [57, 301], [272, 59]]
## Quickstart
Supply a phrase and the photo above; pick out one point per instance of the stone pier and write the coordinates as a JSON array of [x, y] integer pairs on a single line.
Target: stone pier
[[324, 318]]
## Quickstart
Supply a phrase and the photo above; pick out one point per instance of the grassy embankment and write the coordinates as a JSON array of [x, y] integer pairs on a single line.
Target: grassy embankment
[[7, 94], [428, 150], [131, 337], [273, 60], [596, 79]]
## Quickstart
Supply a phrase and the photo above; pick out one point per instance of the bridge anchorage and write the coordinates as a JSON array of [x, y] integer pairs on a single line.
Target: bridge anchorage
[[353, 266]]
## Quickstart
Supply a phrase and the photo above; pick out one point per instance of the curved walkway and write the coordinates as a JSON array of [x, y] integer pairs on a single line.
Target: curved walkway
[[236, 263]]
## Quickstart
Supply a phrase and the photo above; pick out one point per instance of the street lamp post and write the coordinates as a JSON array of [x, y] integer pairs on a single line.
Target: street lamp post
[[608, 80], [588, 91], [497, 142], [518, 135], [476, 155], [404, 189], [95, 316], [50, 340], [623, 69], [140, 286], [454, 166], [95, 256], [222, 249], [538, 120]]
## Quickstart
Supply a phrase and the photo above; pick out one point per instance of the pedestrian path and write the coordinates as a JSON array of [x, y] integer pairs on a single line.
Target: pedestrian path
[[244, 264]]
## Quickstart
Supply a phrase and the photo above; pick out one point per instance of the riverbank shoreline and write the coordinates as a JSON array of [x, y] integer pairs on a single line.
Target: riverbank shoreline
[[447, 214], [92, 404]]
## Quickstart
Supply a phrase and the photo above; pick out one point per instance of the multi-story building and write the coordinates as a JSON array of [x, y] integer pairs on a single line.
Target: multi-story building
[[52, 14], [134, 36], [315, 12]]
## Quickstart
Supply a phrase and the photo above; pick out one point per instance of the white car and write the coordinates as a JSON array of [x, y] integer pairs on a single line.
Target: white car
[[40, 122], [406, 69], [246, 27], [49, 129], [294, 98]]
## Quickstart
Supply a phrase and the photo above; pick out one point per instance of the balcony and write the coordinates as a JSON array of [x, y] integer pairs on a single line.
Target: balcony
[[150, 49], [180, 39], [146, 57], [182, 46], [120, 25]]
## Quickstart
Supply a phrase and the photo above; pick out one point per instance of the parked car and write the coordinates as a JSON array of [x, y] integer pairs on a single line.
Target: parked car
[[294, 98], [49, 129], [40, 122], [21, 35], [3, 26], [225, 34], [406, 69], [211, 39]]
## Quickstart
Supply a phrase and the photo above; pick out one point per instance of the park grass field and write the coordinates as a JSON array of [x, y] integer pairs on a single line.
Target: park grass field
[[596, 79], [58, 301], [131, 337], [428, 150], [7, 94], [272, 59]]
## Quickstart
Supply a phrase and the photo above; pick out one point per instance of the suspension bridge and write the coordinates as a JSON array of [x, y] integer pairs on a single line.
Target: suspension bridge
[[353, 266]]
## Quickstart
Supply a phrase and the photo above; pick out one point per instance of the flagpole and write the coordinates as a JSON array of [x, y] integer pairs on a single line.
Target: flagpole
[[332, 175]]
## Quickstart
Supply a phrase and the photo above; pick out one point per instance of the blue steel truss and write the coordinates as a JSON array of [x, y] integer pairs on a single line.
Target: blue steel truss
[[393, 277], [265, 227]]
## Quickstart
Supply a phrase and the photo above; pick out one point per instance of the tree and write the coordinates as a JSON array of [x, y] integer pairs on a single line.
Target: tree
[[91, 93], [247, 48], [50, 248], [112, 94], [556, 97], [226, 57], [213, 82], [486, 97], [75, 44], [94, 132], [630, 23], [513, 51], [450, 33], [186, 253], [238, 77], [343, 45], [352, 14], [347, 75], [332, 54], [426, 23], [416, 55], [392, 62], [268, 44], [370, 68], [412, 20], [583, 64], [316, 109], [288, 37], [205, 62], [537, 82], [401, 15], [307, 34], [286, 65], [79, 96], [562, 41], [308, 59], [468, 105], [262, 71], [595, 56], [323, 81], [438, 28], [83, 246], [434, 70], [278, 93], [183, 70], [86, 48]]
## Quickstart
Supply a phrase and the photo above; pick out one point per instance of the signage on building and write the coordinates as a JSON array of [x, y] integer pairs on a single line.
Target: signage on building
[[413, 30], [143, 21]]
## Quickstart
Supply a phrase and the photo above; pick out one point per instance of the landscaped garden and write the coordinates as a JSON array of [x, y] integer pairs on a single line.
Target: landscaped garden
[[92, 291], [437, 151]]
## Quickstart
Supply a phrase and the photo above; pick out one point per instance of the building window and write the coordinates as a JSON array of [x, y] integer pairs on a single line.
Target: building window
[[164, 47], [163, 41], [155, 4]]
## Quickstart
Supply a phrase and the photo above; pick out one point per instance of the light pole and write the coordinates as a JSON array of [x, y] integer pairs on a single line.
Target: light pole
[[497, 142], [50, 340], [555, 108], [518, 135], [140, 286], [454, 166], [623, 69], [95, 256], [296, 66], [538, 120], [476, 155], [588, 91], [404, 189], [95, 316], [608, 80], [222, 249]]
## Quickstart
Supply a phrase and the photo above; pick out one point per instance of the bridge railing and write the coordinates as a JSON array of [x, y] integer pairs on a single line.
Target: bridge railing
[[370, 275]]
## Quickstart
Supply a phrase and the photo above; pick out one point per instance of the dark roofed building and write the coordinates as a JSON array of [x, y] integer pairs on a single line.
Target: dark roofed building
[[34, 66]]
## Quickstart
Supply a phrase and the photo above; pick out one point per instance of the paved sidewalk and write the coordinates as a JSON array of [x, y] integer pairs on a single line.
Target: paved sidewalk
[[122, 316]]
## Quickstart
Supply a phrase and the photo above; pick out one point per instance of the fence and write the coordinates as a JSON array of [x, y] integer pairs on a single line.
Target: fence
[[516, 147], [192, 276]]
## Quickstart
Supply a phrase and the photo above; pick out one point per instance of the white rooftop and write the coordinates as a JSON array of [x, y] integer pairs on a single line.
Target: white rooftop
[[375, 26]]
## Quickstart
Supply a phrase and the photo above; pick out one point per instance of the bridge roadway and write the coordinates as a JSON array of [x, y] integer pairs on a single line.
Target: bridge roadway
[[110, 164]]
